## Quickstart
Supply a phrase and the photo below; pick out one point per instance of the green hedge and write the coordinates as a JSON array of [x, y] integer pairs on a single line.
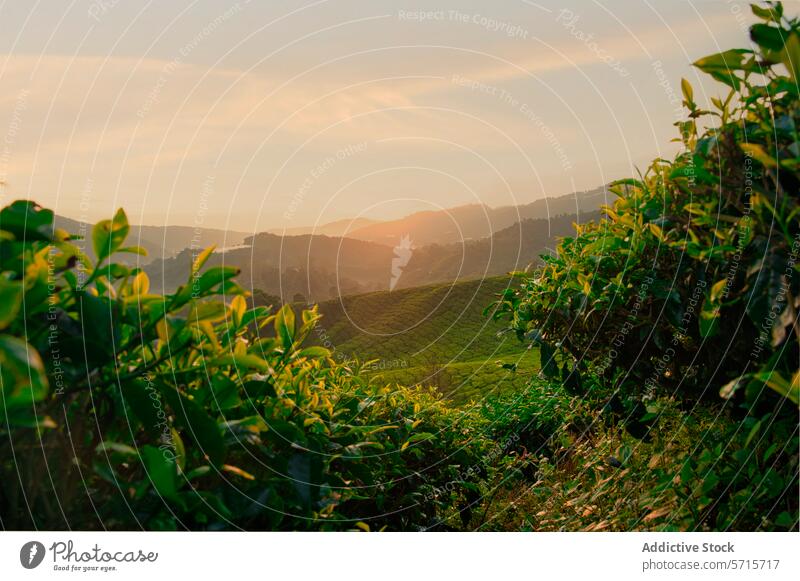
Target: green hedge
[[123, 409], [689, 287]]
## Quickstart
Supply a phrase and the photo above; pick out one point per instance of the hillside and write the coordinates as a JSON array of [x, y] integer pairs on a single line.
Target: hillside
[[475, 221], [514, 248], [336, 228], [161, 241], [317, 267], [323, 267], [434, 335]]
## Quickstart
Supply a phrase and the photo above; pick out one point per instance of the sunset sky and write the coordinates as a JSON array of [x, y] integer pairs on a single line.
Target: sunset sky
[[256, 115]]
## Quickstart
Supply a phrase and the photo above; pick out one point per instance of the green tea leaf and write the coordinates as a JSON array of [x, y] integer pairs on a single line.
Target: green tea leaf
[[108, 235]]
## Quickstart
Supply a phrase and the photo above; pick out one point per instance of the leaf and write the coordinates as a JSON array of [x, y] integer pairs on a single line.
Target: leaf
[[769, 14], [776, 381], [688, 93], [790, 55], [211, 311], [238, 472], [140, 250], [27, 221], [758, 153], [238, 310], [116, 448], [786, 520], [198, 472], [202, 258], [108, 235], [421, 437], [767, 36], [22, 376], [721, 66], [243, 362], [765, 281], [99, 316], [162, 471], [285, 326], [709, 319], [314, 353], [753, 433], [657, 513], [145, 404], [226, 392], [11, 293], [140, 284], [717, 290], [197, 424], [212, 278]]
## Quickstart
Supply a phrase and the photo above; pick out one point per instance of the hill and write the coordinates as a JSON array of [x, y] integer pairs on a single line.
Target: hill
[[514, 248], [475, 221], [324, 267], [160, 241], [434, 335], [316, 267], [337, 228]]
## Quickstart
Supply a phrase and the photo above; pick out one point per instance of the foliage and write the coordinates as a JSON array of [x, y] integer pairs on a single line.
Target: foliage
[[191, 410], [594, 476], [689, 286]]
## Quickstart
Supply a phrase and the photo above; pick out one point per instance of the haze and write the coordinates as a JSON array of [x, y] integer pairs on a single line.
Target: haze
[[257, 115]]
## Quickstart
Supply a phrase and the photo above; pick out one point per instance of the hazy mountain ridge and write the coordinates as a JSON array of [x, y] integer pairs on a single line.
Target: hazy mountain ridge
[[337, 228], [324, 267], [476, 221], [159, 241]]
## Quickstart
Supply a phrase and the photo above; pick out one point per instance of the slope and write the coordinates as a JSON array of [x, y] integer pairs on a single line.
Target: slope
[[434, 335]]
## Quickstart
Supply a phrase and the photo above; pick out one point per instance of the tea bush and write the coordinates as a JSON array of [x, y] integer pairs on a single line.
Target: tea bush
[[124, 409], [689, 288]]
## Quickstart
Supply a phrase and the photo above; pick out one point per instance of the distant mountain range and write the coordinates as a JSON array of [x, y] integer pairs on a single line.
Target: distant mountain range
[[476, 221], [319, 267], [338, 228], [159, 241]]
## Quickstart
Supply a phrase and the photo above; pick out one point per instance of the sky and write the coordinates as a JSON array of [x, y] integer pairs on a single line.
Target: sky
[[257, 115]]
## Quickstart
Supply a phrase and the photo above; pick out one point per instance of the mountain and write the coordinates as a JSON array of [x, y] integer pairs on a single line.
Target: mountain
[[514, 248], [316, 268], [338, 228], [476, 221], [159, 241]]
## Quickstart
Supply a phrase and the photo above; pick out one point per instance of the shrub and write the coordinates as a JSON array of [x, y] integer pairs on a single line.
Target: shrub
[[124, 409], [689, 285]]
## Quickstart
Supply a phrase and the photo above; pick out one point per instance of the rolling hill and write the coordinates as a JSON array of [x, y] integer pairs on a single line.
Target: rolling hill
[[317, 268], [433, 335], [475, 221], [337, 228], [159, 241]]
